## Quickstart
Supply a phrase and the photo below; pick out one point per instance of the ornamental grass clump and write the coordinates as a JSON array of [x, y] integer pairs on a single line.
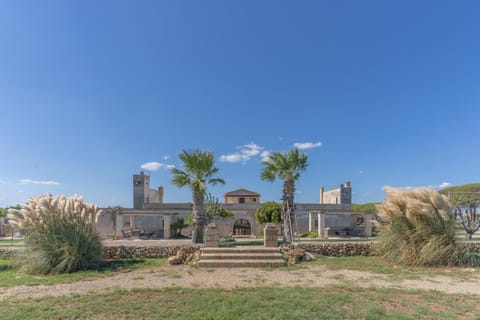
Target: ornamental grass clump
[[417, 229], [59, 234]]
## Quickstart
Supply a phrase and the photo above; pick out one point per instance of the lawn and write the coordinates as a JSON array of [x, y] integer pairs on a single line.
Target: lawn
[[11, 243], [393, 271], [335, 302], [10, 277]]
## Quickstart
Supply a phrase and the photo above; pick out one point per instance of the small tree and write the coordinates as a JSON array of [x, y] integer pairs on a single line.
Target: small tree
[[213, 209], [269, 212], [286, 167], [199, 171], [178, 226], [468, 219]]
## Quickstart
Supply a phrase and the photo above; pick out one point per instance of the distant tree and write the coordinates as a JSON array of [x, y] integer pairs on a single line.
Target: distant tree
[[467, 217], [287, 167], [463, 195], [199, 170], [465, 198], [269, 212], [366, 207]]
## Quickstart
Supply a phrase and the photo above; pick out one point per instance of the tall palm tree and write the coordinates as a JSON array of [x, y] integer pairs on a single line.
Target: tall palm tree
[[287, 167], [199, 170]]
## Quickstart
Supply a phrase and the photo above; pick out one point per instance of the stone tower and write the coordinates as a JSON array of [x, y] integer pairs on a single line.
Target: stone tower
[[141, 185], [346, 193]]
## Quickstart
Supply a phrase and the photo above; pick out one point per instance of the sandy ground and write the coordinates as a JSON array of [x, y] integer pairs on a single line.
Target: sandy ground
[[309, 275]]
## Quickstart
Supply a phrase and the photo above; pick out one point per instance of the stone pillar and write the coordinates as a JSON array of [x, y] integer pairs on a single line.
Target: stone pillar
[[167, 223], [321, 226], [119, 224], [270, 234], [211, 236], [367, 217], [133, 222], [311, 222]]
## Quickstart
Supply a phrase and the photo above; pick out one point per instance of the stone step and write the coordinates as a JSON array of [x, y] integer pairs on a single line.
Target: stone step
[[240, 250], [241, 263], [241, 255]]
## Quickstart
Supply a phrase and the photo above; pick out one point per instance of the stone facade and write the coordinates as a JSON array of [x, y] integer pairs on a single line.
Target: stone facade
[[151, 216], [241, 196]]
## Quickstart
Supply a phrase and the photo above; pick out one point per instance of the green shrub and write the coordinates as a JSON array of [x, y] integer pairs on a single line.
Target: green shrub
[[310, 235], [418, 230], [59, 233], [269, 212]]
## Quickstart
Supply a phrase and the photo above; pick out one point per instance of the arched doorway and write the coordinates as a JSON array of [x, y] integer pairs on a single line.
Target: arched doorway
[[242, 228]]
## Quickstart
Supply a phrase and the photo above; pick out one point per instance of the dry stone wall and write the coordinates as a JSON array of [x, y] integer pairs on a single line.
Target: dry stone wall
[[8, 253], [332, 249], [126, 252], [338, 249]]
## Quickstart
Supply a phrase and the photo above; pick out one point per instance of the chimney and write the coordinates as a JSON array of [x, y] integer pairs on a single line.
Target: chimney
[[321, 194]]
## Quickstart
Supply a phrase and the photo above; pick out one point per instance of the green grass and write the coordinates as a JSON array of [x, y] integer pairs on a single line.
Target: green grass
[[392, 271], [335, 302], [11, 243], [10, 277]]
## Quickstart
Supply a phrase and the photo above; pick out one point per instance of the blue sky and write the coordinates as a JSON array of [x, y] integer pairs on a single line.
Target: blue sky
[[384, 93]]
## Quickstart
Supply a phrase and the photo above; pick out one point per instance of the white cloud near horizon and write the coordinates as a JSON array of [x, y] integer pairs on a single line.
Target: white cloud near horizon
[[37, 182], [442, 185], [307, 145], [154, 166], [245, 153]]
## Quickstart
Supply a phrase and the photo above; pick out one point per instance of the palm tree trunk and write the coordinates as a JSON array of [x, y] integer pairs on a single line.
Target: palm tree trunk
[[198, 219], [288, 209]]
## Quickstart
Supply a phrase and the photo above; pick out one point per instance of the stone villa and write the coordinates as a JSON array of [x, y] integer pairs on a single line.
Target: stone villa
[[150, 215]]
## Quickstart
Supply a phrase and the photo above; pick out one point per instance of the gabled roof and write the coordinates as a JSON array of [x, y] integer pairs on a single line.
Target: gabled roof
[[242, 192]]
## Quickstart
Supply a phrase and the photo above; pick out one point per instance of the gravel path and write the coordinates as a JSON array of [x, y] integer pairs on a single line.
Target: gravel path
[[190, 277]]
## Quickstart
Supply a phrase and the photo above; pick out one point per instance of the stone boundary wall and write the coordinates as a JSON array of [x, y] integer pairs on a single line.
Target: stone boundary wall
[[332, 249], [473, 246], [126, 252], [8, 253], [338, 249]]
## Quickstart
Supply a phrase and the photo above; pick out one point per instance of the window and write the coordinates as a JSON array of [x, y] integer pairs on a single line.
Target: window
[[241, 200], [254, 200]]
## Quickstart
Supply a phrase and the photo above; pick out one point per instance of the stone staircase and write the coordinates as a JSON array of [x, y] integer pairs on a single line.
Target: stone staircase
[[241, 257]]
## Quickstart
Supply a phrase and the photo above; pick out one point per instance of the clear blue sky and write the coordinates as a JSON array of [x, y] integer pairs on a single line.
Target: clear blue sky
[[91, 90]]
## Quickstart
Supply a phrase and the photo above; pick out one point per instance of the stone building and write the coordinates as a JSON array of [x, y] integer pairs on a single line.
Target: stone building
[[150, 216]]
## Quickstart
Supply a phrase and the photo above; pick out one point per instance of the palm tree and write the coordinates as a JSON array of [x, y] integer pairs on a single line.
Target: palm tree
[[287, 167], [198, 171]]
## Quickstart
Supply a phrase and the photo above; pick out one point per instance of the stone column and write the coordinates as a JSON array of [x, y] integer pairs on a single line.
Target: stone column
[[321, 225], [368, 224], [133, 222], [311, 222], [119, 224], [167, 222]]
